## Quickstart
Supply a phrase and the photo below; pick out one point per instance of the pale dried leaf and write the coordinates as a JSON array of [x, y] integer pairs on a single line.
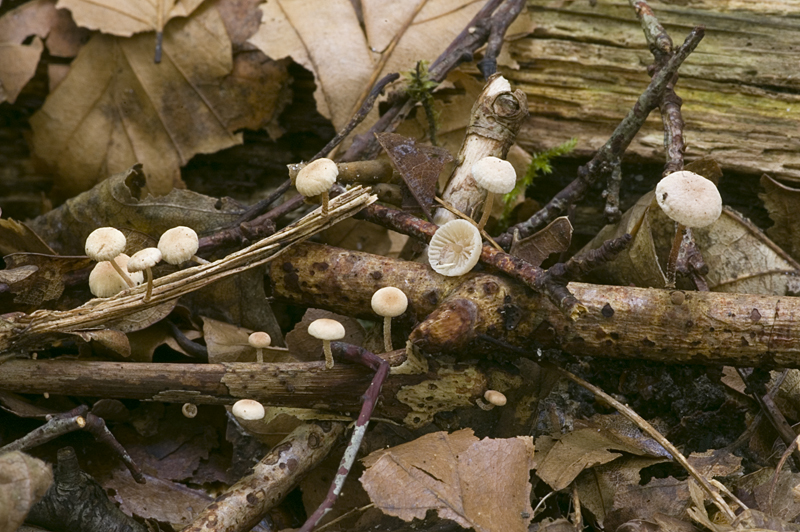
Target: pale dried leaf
[[126, 17], [17, 66], [23, 481], [116, 107], [481, 484], [740, 257], [304, 29]]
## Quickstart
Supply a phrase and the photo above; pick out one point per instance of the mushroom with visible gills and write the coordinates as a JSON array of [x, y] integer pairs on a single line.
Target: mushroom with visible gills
[[455, 248], [690, 200], [145, 260], [326, 330], [178, 245], [316, 178], [105, 244], [496, 176], [389, 302], [259, 340], [105, 281]]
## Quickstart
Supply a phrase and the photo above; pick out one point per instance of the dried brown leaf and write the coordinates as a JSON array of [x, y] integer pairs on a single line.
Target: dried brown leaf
[[306, 348], [418, 164], [481, 484], [740, 257], [782, 203], [304, 29], [23, 481], [47, 280], [163, 500], [116, 107], [559, 463], [229, 343], [555, 238], [126, 17], [120, 202]]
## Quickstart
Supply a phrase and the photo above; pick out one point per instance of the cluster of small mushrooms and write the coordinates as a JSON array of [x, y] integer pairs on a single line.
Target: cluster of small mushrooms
[[687, 198], [115, 271]]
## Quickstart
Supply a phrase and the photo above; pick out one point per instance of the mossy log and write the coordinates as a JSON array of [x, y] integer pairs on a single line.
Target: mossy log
[[585, 64]]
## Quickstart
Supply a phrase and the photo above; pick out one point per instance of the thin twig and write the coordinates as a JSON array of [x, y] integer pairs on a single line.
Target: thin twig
[[613, 148], [361, 356]]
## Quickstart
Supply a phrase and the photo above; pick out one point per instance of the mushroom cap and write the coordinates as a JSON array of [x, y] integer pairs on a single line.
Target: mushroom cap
[[248, 410], [178, 244], [105, 243], [389, 302], [495, 175], [104, 281], [689, 199], [455, 248], [316, 177], [494, 397], [259, 340], [326, 329], [143, 259]]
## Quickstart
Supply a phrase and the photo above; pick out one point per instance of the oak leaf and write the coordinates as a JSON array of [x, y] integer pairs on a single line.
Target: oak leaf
[[116, 107], [481, 484], [305, 29], [126, 17]]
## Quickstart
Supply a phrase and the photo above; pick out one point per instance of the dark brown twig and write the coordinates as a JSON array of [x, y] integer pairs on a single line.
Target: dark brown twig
[[359, 355], [615, 146], [551, 282], [360, 115]]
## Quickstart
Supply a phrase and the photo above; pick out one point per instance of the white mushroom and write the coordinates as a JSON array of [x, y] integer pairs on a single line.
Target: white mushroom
[[105, 281], [389, 302], [496, 176], [259, 340], [689, 199], [105, 244], [493, 398], [455, 248], [327, 331], [316, 178], [189, 410], [248, 410], [145, 260], [179, 244]]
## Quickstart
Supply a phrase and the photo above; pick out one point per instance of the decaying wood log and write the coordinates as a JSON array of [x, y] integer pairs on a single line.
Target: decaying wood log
[[584, 67], [620, 322], [408, 398]]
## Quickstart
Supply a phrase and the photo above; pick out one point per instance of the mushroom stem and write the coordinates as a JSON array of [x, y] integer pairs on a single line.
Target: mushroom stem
[[200, 260], [149, 284], [487, 209], [672, 261], [325, 199], [387, 333], [125, 276], [326, 347], [260, 355]]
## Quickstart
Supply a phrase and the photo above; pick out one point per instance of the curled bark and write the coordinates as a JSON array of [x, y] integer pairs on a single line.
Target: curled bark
[[494, 123]]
